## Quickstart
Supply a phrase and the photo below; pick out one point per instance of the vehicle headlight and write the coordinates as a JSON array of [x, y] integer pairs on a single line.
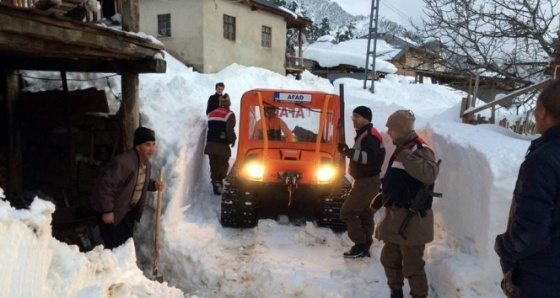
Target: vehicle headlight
[[254, 170], [326, 174]]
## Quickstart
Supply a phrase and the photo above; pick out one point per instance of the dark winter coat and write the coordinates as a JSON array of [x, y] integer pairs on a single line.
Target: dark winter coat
[[367, 154], [413, 166], [115, 185], [213, 103], [221, 133], [529, 250]]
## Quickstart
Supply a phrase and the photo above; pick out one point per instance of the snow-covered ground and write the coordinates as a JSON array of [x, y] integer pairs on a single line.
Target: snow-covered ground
[[203, 259]]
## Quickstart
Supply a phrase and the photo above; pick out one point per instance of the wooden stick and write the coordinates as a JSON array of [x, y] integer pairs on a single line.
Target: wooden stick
[[158, 217]]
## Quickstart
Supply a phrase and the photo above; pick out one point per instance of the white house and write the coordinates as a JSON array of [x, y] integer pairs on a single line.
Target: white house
[[212, 34]]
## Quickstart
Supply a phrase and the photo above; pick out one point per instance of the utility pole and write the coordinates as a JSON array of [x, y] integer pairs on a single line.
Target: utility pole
[[372, 34]]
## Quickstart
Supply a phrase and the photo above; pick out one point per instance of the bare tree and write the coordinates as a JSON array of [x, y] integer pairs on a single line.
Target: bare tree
[[510, 39]]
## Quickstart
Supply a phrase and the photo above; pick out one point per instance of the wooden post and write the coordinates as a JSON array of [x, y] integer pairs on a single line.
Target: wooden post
[[469, 93], [70, 146], [475, 92], [15, 173], [131, 113], [130, 15], [464, 106], [129, 81], [493, 116], [300, 54], [503, 123]]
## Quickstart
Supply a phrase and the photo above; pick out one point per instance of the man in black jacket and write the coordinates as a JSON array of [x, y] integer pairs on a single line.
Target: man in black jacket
[[119, 194], [366, 159], [529, 250], [214, 100]]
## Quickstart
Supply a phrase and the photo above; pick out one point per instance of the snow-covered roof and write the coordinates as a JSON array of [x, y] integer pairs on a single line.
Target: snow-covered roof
[[351, 52], [279, 10]]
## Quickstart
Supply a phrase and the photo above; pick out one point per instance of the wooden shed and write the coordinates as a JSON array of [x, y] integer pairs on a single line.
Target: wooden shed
[[54, 141]]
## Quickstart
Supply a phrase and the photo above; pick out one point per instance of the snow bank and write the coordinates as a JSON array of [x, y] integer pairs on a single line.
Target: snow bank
[[35, 264]]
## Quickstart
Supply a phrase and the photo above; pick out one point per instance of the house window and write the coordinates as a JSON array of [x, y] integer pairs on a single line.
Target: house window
[[164, 25], [266, 39], [229, 27]]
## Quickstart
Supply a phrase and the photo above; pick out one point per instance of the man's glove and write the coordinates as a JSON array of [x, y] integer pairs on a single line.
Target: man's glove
[[342, 148]]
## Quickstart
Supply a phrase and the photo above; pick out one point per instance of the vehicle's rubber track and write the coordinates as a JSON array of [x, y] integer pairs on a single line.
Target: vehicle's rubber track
[[238, 208], [329, 210]]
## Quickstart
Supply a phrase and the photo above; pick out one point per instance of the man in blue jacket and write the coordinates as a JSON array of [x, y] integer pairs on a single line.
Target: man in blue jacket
[[529, 250]]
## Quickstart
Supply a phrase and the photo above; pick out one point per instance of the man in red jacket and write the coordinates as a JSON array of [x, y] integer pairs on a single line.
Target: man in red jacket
[[120, 191], [221, 135]]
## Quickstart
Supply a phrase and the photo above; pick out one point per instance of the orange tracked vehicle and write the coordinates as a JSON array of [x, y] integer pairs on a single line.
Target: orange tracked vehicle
[[287, 160]]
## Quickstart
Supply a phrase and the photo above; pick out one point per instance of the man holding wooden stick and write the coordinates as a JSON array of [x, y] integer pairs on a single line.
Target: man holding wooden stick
[[119, 194]]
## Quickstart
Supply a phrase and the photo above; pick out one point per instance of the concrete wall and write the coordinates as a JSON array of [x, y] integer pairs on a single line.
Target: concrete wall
[[186, 41], [246, 49], [197, 37]]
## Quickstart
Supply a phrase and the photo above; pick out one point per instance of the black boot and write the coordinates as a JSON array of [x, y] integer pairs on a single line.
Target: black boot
[[396, 293], [357, 251], [217, 188]]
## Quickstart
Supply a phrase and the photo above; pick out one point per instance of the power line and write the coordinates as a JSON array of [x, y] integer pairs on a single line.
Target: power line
[[396, 11]]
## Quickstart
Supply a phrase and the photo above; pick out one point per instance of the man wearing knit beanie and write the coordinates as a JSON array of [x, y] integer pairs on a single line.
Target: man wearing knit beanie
[[366, 158], [364, 112], [119, 194], [401, 121], [411, 169]]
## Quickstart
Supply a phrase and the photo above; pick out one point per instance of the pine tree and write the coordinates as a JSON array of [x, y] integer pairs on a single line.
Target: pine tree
[[324, 27], [281, 3]]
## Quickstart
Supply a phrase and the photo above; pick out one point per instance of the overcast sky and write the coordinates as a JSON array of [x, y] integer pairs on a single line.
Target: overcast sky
[[398, 11]]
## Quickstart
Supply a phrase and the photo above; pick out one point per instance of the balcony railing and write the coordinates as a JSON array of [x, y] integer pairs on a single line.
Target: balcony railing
[[294, 64]]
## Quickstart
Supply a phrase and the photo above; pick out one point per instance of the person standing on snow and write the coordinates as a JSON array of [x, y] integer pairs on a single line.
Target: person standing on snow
[[411, 167], [214, 100], [529, 250], [119, 194], [221, 135], [366, 159]]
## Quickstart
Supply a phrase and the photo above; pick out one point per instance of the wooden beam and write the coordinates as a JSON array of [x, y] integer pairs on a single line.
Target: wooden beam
[[14, 133], [130, 107], [31, 32], [130, 15], [508, 97], [15, 43], [83, 65], [46, 19]]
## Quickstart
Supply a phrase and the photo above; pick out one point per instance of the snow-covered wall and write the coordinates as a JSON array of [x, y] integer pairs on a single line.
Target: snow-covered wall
[[476, 182], [477, 176], [34, 264]]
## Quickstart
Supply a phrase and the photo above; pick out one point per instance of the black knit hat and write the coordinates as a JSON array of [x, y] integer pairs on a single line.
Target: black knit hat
[[364, 112], [143, 135]]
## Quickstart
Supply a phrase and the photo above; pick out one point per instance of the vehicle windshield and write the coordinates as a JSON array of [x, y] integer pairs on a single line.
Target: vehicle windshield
[[293, 123]]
